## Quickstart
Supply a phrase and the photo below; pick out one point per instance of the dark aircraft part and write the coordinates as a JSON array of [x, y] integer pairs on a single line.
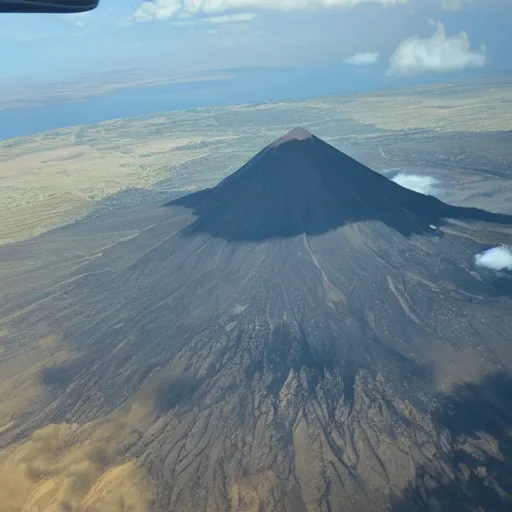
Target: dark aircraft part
[[47, 6]]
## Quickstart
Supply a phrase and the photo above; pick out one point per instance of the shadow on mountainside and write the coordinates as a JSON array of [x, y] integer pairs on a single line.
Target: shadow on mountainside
[[477, 420]]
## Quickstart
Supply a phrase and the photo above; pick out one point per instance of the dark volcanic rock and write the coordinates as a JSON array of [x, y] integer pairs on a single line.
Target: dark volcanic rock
[[305, 330], [302, 185]]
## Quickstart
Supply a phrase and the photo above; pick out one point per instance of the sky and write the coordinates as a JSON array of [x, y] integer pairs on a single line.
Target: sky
[[372, 39]]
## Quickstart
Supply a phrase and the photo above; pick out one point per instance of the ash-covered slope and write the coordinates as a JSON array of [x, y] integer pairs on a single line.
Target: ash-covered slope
[[300, 334]]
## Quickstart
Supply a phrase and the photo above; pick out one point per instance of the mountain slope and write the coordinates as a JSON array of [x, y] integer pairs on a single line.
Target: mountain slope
[[300, 184], [289, 336]]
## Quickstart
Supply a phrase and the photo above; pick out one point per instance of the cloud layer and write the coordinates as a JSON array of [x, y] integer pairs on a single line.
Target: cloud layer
[[362, 59], [498, 258], [436, 54], [163, 9], [216, 20], [422, 184]]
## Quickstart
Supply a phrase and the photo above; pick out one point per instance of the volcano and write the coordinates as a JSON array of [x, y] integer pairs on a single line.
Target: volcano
[[305, 336]]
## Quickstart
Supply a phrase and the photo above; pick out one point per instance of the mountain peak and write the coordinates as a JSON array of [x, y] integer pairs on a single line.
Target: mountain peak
[[309, 187], [297, 133], [301, 184]]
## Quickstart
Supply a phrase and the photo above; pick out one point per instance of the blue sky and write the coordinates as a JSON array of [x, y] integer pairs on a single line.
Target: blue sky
[[394, 38]]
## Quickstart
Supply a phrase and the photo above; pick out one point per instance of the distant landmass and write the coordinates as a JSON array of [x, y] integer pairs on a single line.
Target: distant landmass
[[306, 335]]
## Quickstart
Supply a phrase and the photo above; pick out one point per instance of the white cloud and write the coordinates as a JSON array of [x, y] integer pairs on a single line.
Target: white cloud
[[362, 59], [77, 19], [455, 5], [438, 53], [217, 20], [158, 10], [231, 18], [498, 258], [422, 184], [162, 9]]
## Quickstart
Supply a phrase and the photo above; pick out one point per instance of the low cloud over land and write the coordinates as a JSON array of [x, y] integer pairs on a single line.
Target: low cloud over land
[[498, 258], [422, 184]]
